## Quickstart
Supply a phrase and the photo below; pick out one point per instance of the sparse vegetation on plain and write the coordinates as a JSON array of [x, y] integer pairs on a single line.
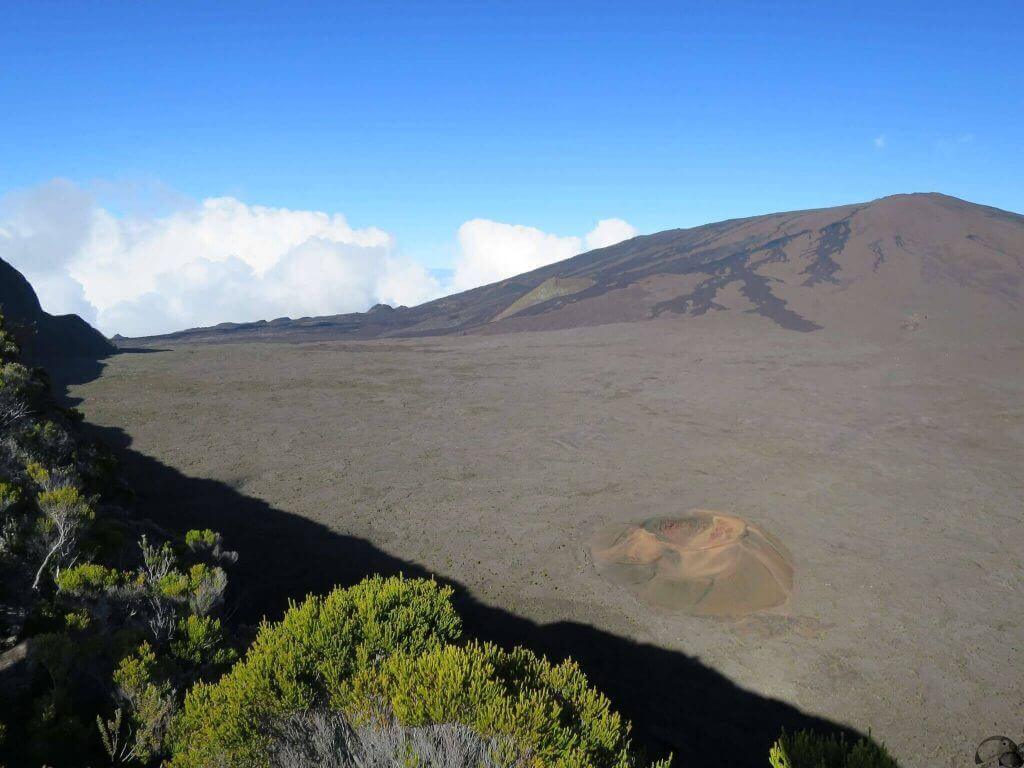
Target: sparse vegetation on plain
[[107, 621], [118, 651]]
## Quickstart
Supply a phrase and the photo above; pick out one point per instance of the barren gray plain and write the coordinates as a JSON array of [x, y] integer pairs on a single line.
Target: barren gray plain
[[890, 468]]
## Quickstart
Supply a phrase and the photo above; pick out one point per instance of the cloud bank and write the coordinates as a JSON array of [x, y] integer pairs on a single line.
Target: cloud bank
[[224, 260], [492, 251]]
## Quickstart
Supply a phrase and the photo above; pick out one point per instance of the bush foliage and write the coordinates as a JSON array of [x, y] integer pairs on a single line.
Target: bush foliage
[[548, 711], [806, 749], [295, 664], [118, 627], [389, 649]]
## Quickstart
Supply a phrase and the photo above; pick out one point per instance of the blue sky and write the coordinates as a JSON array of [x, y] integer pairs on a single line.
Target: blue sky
[[418, 117]]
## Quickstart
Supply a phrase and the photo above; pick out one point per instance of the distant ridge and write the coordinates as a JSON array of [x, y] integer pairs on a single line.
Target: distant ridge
[[46, 340], [881, 263]]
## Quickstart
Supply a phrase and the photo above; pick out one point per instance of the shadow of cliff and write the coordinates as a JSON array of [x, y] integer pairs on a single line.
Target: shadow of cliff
[[675, 703], [65, 371]]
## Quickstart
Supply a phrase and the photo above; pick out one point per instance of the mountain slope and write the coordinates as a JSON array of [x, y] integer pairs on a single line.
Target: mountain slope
[[889, 262], [45, 339]]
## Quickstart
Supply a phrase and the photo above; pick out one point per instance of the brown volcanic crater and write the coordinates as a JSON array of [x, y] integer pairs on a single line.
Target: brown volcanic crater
[[704, 563]]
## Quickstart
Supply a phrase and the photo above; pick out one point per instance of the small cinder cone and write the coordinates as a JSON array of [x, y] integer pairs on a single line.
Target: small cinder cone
[[704, 563]]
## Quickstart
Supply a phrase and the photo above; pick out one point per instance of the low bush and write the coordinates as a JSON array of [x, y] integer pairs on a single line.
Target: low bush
[[548, 711], [386, 650], [201, 539], [806, 749], [138, 728], [294, 665], [88, 578]]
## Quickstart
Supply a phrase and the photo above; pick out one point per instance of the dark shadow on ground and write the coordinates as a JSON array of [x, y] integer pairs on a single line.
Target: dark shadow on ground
[[675, 703], [67, 371]]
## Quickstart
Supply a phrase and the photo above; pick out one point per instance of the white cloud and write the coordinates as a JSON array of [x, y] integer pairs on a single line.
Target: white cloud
[[406, 282], [609, 232], [880, 142], [39, 228], [492, 251], [223, 260]]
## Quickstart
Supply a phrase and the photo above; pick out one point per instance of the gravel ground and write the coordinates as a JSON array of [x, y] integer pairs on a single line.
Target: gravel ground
[[891, 471]]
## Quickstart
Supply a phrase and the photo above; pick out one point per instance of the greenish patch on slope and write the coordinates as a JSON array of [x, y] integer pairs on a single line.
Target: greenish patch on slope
[[551, 288]]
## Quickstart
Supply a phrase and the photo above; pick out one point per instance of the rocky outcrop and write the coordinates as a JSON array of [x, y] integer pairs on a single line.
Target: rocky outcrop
[[45, 339]]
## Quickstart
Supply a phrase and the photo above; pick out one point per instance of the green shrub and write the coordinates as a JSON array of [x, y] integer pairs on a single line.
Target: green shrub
[[136, 670], [201, 539], [806, 749], [64, 501], [148, 703], [8, 346], [15, 377], [89, 578], [40, 475], [173, 585], [548, 711], [208, 545], [199, 642], [10, 494], [383, 651], [77, 621], [295, 663], [198, 574]]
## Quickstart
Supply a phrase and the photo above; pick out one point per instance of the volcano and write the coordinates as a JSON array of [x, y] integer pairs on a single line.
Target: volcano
[[897, 263]]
